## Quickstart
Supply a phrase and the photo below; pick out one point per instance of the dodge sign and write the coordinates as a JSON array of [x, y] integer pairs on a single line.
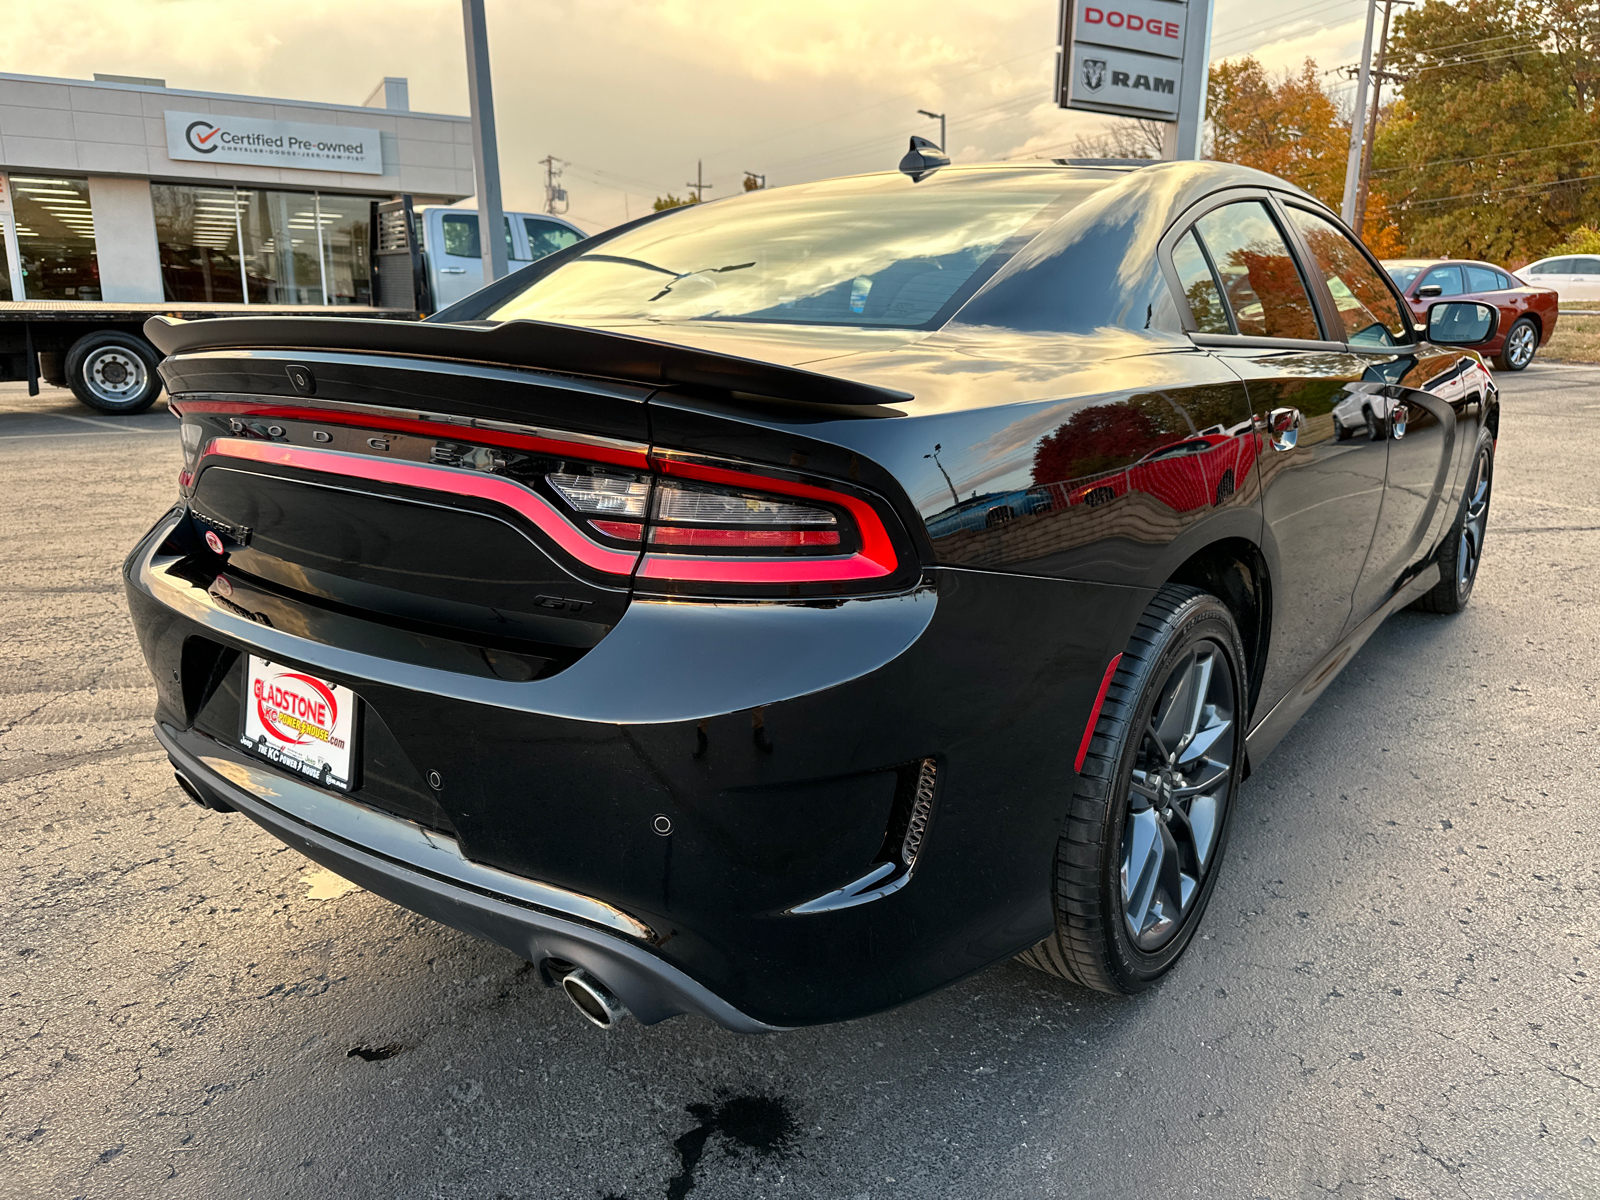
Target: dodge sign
[[1123, 57]]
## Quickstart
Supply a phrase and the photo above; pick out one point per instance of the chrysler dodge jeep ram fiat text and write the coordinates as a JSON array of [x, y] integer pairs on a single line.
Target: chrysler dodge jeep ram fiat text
[[778, 608]]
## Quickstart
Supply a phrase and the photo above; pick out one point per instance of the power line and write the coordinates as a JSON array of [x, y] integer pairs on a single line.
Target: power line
[[1445, 162], [1525, 187]]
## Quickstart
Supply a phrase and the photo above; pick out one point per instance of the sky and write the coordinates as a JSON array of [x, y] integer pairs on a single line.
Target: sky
[[633, 94]]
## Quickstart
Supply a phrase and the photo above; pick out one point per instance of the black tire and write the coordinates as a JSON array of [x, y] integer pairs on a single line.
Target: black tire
[[114, 373], [1094, 943], [1461, 553], [1522, 342]]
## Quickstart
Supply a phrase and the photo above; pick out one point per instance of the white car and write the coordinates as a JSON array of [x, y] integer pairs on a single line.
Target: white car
[[1570, 276], [455, 260]]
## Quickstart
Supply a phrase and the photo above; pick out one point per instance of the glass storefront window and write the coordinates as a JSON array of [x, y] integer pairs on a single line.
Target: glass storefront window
[[55, 237], [297, 247], [197, 232], [5, 272], [346, 248]]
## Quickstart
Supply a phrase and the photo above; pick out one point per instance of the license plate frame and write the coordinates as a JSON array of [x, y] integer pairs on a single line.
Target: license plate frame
[[301, 723]]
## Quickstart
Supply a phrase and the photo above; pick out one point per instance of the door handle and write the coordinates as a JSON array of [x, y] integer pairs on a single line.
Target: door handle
[[1283, 425], [452, 270]]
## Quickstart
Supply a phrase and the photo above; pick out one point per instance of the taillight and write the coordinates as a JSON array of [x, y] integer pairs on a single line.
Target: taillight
[[708, 528], [664, 522]]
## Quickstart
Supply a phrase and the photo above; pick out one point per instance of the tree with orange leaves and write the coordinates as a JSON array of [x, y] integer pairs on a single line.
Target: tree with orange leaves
[[1289, 127]]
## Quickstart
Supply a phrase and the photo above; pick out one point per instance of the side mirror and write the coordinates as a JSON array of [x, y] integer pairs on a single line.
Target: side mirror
[[923, 159], [1462, 323], [1429, 290]]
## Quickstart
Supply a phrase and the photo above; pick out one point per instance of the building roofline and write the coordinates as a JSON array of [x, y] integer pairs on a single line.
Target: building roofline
[[170, 91]]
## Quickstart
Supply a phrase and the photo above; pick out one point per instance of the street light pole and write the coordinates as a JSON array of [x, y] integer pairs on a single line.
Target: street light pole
[[485, 152], [1358, 115], [939, 117]]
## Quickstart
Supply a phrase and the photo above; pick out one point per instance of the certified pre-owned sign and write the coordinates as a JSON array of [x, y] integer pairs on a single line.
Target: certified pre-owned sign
[[206, 137]]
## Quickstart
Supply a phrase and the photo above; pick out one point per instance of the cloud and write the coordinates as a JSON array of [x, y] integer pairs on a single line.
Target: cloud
[[633, 92]]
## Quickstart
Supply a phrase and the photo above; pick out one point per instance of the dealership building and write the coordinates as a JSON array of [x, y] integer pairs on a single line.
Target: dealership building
[[123, 189]]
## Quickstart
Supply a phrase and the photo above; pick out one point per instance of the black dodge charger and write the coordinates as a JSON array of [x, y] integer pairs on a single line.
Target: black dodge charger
[[778, 608]]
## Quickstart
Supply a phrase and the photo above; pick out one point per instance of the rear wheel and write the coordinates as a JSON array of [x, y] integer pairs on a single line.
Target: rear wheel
[[1150, 812], [1463, 546], [114, 373], [1522, 340]]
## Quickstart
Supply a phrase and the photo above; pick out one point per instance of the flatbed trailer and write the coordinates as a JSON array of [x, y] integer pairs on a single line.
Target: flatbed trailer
[[98, 348]]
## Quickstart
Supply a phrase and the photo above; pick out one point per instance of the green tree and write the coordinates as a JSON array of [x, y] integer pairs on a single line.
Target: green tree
[[662, 203], [1494, 150], [1585, 239]]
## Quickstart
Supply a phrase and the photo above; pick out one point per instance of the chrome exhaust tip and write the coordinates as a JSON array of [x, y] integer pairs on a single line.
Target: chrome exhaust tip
[[593, 999], [189, 789]]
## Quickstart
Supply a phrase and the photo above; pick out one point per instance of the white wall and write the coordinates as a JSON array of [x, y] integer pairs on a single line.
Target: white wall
[[125, 239]]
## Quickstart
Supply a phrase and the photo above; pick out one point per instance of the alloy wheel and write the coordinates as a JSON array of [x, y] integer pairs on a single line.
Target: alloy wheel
[[1475, 521], [1520, 346], [1177, 796]]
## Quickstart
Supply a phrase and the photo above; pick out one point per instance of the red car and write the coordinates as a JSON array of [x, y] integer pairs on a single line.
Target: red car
[[1527, 314]]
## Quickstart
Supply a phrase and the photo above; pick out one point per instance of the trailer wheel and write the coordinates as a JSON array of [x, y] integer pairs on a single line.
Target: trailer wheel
[[114, 372]]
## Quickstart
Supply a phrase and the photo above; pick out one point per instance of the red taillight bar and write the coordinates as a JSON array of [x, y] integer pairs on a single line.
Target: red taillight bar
[[875, 559], [447, 480]]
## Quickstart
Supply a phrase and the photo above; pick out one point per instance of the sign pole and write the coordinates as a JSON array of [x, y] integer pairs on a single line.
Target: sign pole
[[485, 151], [1191, 123]]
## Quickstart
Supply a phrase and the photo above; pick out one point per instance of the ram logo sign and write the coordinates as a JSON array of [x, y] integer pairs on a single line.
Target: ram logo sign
[[1124, 57]]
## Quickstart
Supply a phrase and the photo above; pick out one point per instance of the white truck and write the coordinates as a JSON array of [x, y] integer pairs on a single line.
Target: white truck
[[454, 256]]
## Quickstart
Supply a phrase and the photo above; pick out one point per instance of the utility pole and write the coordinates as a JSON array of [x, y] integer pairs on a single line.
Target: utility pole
[[1352, 168], [1378, 76], [553, 194], [939, 117], [699, 185], [485, 151]]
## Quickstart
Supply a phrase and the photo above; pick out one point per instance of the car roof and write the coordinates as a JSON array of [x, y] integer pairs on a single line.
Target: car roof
[[1442, 262]]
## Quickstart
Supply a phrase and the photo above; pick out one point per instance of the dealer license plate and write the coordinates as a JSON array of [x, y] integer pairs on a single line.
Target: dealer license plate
[[300, 723]]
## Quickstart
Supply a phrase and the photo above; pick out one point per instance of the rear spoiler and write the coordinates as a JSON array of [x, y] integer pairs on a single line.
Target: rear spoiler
[[539, 344]]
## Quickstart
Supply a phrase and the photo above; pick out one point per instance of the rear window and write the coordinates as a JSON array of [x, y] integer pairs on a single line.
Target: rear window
[[1482, 279], [875, 250], [1402, 275]]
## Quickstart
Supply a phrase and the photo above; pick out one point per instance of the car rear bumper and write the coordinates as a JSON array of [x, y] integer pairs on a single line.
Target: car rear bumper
[[427, 873], [774, 738]]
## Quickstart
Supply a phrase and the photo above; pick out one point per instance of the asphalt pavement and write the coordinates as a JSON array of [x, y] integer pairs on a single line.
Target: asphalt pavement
[[1394, 993]]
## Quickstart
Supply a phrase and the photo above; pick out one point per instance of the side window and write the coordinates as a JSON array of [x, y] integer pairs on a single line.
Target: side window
[[546, 237], [1506, 282], [1260, 283], [1447, 279], [1556, 266], [461, 235], [1585, 266], [1367, 308], [1199, 286], [1482, 279]]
